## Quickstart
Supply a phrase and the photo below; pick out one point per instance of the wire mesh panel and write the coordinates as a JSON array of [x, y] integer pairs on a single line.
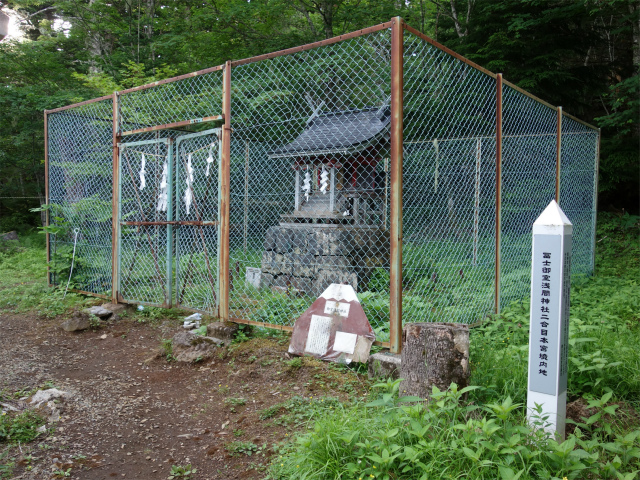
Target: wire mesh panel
[[192, 98], [145, 207], [197, 162], [308, 198], [529, 142], [448, 187], [80, 192], [578, 190]]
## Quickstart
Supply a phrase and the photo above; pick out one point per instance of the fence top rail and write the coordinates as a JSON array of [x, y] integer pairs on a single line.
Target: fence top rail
[[446, 50], [79, 104], [309, 46], [171, 79], [581, 122], [321, 43]]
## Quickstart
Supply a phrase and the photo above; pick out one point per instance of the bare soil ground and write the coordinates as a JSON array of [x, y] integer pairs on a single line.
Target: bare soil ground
[[133, 414]]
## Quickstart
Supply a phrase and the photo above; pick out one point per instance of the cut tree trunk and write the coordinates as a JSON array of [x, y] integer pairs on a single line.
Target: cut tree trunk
[[433, 354]]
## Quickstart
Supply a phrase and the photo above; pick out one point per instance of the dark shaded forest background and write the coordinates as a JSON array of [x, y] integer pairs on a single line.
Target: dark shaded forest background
[[581, 54]]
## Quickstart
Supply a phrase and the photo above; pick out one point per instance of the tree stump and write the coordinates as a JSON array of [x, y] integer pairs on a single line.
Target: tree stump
[[433, 354]]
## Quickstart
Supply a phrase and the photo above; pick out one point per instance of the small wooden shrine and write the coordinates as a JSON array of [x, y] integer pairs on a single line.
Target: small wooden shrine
[[337, 230]]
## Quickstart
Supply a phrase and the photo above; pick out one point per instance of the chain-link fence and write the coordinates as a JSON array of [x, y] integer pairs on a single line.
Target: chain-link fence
[[247, 189]]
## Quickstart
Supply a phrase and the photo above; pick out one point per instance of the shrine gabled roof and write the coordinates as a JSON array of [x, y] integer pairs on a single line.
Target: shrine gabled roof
[[344, 132]]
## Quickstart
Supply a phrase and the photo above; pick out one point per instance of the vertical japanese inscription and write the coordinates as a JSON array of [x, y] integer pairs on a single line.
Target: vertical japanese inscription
[[545, 315]]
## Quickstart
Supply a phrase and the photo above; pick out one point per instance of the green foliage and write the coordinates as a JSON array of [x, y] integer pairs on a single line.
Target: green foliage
[[235, 401], [393, 437], [19, 427], [379, 281], [167, 349], [6, 466], [181, 471], [238, 447], [295, 363]]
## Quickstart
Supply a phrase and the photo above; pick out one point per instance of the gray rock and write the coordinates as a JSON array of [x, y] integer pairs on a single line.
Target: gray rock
[[44, 396], [225, 331], [79, 321], [189, 347], [99, 312], [116, 308], [10, 236], [384, 365]]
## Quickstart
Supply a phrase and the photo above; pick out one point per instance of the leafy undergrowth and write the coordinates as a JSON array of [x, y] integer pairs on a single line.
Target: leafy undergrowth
[[394, 438], [485, 434], [23, 280]]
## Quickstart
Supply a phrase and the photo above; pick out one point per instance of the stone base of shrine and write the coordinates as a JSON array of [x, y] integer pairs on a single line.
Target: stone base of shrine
[[310, 257]]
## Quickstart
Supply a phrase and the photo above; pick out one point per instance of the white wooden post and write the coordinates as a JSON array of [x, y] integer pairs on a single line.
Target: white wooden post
[[549, 329], [297, 190]]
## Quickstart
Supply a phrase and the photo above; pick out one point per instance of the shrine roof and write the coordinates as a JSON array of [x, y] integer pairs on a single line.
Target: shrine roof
[[345, 132]]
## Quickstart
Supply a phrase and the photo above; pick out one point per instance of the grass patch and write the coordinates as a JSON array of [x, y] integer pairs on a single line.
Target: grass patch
[[19, 427]]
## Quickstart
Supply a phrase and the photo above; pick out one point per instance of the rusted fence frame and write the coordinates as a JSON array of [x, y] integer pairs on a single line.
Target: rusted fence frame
[[115, 198], [395, 203], [224, 198], [498, 225], [46, 192]]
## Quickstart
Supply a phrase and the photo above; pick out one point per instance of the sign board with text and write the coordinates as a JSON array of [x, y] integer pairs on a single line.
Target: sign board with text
[[334, 328]]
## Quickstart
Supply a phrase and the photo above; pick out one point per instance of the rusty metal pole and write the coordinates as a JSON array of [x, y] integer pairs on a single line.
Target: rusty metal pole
[[498, 188], [224, 198], [595, 202], [395, 291], [46, 191], [558, 154], [115, 227]]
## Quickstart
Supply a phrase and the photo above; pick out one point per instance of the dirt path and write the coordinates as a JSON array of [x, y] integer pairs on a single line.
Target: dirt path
[[133, 414]]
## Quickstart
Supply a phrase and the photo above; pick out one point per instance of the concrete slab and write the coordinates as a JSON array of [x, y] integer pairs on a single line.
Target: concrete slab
[[384, 365]]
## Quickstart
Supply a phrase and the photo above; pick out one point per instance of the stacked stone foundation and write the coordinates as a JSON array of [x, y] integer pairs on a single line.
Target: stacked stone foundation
[[309, 258]]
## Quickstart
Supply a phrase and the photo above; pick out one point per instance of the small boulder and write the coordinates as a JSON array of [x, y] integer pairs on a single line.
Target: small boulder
[[189, 347], [44, 396], [115, 308], [9, 236], [100, 312], [79, 321], [225, 331]]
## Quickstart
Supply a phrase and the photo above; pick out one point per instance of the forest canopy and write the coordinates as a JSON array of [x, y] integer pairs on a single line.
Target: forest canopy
[[581, 54]]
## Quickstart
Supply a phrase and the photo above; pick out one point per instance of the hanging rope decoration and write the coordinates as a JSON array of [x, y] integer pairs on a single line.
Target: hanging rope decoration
[[162, 196], [306, 186], [76, 231], [324, 180], [435, 175], [210, 158], [142, 173], [188, 193]]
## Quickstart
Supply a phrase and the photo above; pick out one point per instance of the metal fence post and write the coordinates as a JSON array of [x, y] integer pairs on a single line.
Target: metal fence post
[[224, 180], [595, 202], [170, 218], [558, 154], [498, 187], [46, 191], [397, 65], [115, 199]]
